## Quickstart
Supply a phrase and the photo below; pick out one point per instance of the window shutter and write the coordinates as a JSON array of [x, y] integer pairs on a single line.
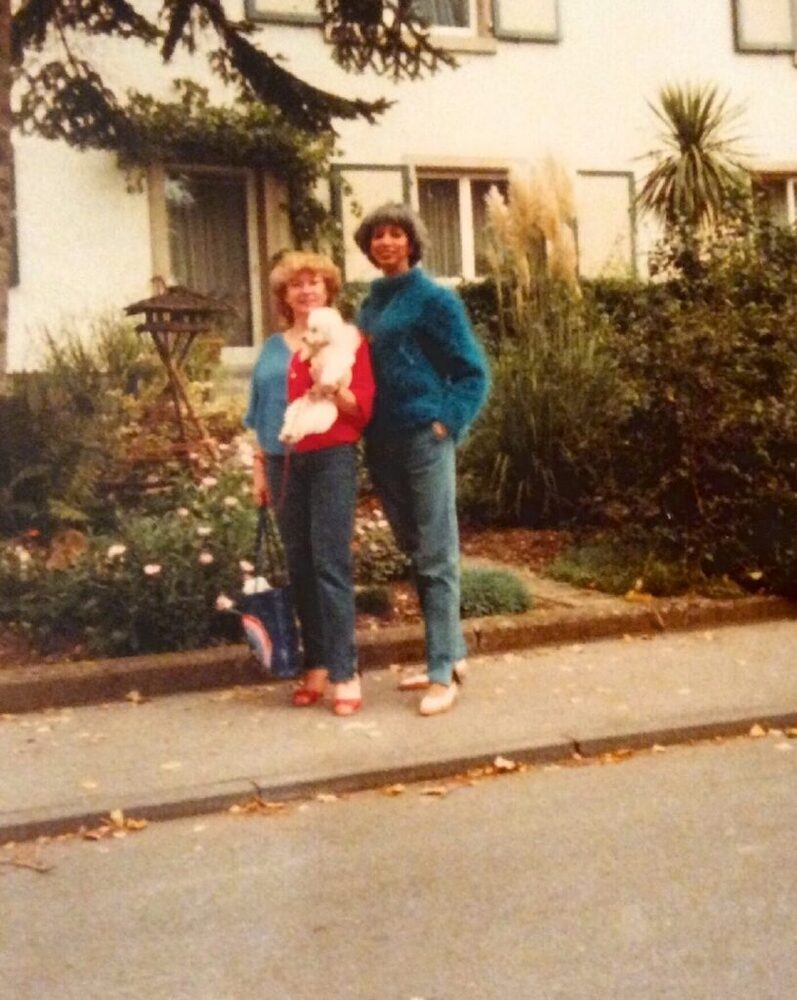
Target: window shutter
[[765, 25], [527, 20], [356, 190], [285, 11], [605, 227]]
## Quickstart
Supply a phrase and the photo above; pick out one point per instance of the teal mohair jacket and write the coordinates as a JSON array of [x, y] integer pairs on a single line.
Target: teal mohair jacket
[[427, 361]]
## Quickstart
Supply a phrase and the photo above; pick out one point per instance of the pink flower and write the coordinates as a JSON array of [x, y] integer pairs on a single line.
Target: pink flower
[[224, 603], [152, 569], [206, 558], [116, 551], [246, 566], [208, 481], [203, 531], [183, 512]]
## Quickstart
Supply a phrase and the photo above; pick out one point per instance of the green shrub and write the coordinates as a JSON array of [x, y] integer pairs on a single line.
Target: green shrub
[[373, 600], [705, 466], [149, 587], [377, 558], [492, 592]]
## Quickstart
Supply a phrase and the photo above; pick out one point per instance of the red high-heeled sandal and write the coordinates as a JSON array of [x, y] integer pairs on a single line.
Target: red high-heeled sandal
[[304, 697]]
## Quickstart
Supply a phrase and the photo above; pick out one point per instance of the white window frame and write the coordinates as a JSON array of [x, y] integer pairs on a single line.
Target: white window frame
[[161, 255], [789, 180], [464, 177]]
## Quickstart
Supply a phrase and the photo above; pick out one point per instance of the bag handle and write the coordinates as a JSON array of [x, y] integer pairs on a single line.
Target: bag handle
[[267, 547]]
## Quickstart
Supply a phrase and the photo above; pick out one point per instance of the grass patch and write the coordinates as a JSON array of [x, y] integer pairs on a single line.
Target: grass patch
[[615, 568], [492, 592]]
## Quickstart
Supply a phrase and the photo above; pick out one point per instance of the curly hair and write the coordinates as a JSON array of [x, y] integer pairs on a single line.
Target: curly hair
[[289, 264], [393, 214]]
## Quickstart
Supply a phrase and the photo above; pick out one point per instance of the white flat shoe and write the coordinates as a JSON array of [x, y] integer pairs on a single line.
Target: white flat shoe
[[420, 681], [436, 703]]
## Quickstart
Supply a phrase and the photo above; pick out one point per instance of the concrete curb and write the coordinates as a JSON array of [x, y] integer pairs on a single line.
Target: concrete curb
[[59, 685], [197, 800]]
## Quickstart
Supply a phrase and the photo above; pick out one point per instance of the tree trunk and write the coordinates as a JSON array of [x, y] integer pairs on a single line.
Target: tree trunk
[[6, 177]]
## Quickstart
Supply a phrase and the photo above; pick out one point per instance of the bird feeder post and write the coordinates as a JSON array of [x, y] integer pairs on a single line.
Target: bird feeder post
[[174, 318]]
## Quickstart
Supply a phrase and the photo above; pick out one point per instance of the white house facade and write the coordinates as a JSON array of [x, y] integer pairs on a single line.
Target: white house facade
[[536, 78]]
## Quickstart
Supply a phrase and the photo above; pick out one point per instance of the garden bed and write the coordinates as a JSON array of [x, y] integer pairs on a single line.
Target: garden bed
[[516, 547]]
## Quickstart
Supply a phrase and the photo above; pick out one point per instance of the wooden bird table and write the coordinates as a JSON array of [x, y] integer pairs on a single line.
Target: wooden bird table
[[174, 318]]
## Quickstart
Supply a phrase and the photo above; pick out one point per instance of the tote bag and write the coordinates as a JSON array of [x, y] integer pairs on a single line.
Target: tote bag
[[267, 616]]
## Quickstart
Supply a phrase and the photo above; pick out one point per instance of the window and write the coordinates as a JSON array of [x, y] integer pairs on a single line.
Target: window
[[765, 25], [453, 208], [779, 197], [205, 236], [448, 13], [464, 25]]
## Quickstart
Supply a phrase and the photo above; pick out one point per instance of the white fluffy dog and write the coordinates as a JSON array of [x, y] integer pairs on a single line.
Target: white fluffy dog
[[330, 344]]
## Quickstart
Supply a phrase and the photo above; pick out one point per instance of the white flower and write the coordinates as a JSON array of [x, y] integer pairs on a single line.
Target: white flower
[[206, 558], [208, 481], [203, 531], [116, 551], [183, 512], [22, 555], [373, 547], [246, 566], [152, 569], [381, 523], [231, 502], [224, 603]]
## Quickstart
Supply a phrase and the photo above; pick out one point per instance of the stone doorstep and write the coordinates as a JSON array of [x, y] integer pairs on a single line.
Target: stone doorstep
[[592, 617]]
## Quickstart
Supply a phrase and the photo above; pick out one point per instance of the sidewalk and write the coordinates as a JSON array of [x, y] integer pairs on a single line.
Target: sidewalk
[[206, 750]]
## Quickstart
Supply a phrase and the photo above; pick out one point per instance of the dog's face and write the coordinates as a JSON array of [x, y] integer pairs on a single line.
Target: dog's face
[[322, 325]]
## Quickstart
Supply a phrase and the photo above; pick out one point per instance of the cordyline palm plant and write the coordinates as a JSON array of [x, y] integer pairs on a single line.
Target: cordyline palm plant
[[700, 167]]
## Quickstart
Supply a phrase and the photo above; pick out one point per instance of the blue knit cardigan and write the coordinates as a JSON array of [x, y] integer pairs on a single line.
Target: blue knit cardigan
[[427, 361]]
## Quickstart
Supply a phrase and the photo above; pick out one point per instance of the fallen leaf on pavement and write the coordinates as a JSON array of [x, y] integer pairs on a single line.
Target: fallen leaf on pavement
[[503, 764], [757, 730], [326, 797], [393, 789], [35, 866], [638, 597]]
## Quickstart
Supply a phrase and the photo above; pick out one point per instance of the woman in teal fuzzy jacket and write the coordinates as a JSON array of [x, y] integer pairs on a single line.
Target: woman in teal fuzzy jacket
[[431, 381]]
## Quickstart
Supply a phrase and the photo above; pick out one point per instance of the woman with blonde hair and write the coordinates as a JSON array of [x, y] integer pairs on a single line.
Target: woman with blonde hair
[[315, 492]]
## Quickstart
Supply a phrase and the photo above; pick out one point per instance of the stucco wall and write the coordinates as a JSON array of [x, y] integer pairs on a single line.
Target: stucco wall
[[84, 240]]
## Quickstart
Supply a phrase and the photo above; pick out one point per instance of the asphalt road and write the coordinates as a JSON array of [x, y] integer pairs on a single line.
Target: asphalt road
[[666, 875]]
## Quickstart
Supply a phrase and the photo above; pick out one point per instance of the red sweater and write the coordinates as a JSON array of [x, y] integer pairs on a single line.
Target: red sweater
[[349, 426]]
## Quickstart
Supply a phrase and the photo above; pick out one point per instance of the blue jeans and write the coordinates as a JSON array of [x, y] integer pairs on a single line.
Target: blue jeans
[[316, 521], [416, 481]]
